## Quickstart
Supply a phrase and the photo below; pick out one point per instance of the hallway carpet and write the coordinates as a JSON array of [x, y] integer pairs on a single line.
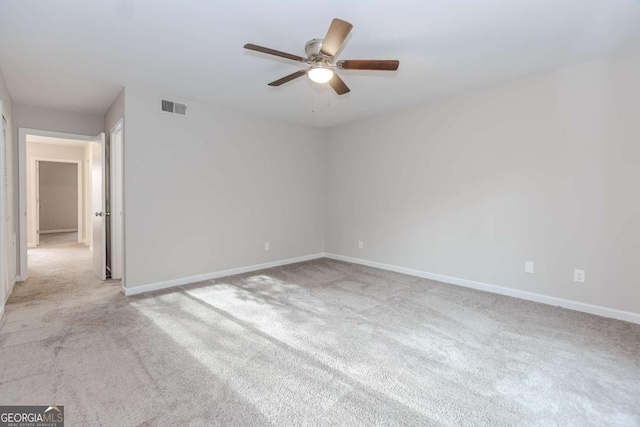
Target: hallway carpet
[[58, 239], [316, 343]]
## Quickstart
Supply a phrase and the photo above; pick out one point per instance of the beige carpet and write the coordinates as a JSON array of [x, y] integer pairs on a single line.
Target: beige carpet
[[316, 343]]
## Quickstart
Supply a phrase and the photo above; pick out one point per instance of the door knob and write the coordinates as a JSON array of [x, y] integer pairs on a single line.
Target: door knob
[[98, 213]]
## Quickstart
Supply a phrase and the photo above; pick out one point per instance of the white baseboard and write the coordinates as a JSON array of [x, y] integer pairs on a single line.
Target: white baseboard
[[215, 275], [64, 230], [530, 296]]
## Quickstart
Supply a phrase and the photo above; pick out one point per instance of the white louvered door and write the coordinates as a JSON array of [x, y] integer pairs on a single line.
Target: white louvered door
[[8, 246]]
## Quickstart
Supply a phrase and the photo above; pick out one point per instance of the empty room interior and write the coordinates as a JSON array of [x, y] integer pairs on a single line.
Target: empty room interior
[[320, 213]]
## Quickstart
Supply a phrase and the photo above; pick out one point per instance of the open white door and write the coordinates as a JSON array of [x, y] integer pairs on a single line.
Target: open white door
[[98, 226]]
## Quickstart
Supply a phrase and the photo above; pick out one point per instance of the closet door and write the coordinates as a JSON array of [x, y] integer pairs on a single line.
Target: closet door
[[8, 245]]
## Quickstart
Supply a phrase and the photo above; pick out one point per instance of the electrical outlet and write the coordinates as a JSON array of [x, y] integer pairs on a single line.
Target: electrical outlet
[[578, 276], [267, 246], [528, 267], [360, 244]]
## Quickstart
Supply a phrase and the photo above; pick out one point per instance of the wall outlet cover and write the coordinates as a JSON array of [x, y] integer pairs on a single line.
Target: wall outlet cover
[[578, 276], [360, 244], [267, 246], [528, 267]]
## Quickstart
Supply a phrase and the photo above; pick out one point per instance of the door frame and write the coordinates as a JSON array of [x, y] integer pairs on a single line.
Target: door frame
[[22, 187], [116, 200], [36, 193]]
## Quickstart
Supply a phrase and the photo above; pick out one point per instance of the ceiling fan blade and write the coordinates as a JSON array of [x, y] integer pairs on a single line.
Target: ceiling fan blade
[[274, 52], [337, 34], [338, 85], [358, 64], [288, 78]]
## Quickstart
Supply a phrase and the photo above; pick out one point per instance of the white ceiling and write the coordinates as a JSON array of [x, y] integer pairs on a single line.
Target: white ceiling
[[77, 55]]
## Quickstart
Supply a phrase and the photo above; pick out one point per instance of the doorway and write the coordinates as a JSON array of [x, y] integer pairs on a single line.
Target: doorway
[[58, 197], [45, 158], [57, 206]]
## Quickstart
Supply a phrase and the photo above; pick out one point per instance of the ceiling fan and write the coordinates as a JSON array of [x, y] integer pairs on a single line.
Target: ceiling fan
[[320, 56]]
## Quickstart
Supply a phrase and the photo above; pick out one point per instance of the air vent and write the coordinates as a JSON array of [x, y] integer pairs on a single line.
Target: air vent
[[174, 108], [180, 109]]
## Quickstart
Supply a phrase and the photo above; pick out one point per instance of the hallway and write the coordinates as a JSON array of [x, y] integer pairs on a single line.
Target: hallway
[[54, 265], [43, 320], [60, 275]]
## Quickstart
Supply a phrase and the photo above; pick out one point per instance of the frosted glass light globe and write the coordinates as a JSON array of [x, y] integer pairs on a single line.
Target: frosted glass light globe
[[320, 74]]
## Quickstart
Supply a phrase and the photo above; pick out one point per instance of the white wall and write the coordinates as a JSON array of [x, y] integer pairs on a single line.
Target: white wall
[[203, 193], [544, 169], [59, 196], [27, 116], [50, 151]]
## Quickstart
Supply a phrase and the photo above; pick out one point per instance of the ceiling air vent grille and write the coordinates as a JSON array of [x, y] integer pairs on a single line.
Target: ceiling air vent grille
[[174, 107]]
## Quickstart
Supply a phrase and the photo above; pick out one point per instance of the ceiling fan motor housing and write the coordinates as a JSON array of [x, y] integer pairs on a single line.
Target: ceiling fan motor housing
[[312, 48]]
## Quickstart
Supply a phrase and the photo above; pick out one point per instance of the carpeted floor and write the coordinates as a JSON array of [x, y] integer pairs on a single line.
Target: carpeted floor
[[57, 239], [316, 343]]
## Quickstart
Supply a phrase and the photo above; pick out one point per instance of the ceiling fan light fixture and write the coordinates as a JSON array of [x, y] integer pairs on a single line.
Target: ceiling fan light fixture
[[321, 54], [320, 74]]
